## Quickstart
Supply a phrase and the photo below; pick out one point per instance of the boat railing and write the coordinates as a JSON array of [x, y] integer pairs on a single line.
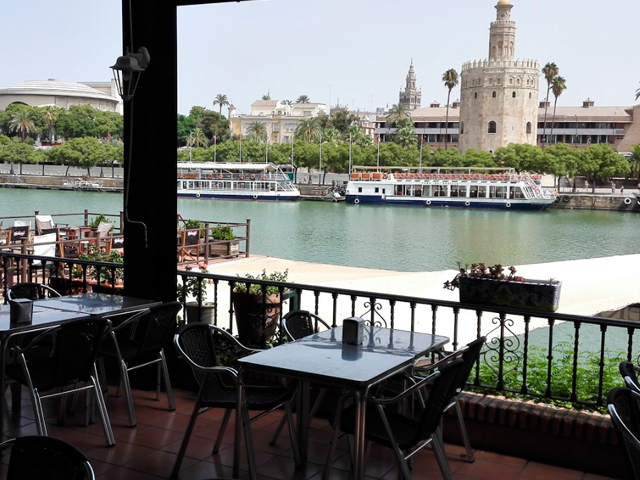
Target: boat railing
[[495, 177], [262, 176]]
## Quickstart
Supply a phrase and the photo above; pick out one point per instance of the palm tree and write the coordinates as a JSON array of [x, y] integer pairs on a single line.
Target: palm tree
[[198, 138], [550, 70], [396, 113], [308, 128], [23, 122], [266, 97], [221, 100], [637, 94], [257, 130], [303, 99], [287, 102], [558, 85], [450, 79], [50, 115]]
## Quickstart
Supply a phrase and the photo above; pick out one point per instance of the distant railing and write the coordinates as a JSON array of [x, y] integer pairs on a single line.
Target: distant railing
[[554, 356], [206, 246]]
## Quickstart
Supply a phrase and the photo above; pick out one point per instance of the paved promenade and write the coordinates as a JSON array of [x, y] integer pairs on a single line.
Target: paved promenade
[[588, 286]]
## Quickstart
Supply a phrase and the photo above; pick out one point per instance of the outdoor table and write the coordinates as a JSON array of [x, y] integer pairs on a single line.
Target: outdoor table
[[96, 304], [323, 358], [42, 319]]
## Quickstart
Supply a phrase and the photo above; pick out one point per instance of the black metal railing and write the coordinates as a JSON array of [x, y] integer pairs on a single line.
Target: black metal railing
[[555, 356]]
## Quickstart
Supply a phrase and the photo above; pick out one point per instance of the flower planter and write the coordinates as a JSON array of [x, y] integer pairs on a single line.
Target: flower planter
[[256, 317], [204, 313], [531, 294], [229, 248]]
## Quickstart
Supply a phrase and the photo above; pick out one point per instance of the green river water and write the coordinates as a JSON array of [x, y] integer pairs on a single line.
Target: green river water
[[392, 238]]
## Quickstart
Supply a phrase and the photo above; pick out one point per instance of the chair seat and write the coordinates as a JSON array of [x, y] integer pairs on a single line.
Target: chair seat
[[258, 398], [404, 428], [128, 349], [42, 371]]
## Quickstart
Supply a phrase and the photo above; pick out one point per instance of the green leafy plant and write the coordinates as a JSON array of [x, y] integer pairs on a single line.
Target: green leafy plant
[[96, 221], [222, 233], [256, 289], [190, 223], [480, 270], [191, 286], [98, 254]]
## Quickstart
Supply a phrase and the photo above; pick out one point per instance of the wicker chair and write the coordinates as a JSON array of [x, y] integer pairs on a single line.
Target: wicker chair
[[71, 364], [202, 346], [624, 409], [405, 435], [629, 373], [35, 457], [139, 342]]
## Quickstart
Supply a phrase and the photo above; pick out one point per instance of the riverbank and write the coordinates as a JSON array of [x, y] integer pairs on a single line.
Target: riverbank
[[601, 199]]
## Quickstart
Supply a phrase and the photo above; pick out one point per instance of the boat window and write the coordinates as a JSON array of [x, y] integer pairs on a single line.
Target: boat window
[[418, 191], [190, 184], [473, 191], [377, 190], [359, 189], [384, 190], [497, 192], [482, 191], [440, 191], [516, 192], [458, 191]]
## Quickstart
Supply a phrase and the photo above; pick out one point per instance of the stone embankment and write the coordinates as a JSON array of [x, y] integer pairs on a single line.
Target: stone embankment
[[56, 182], [590, 201]]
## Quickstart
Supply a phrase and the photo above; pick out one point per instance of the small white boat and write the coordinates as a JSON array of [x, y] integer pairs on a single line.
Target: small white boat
[[82, 185], [487, 188], [236, 181]]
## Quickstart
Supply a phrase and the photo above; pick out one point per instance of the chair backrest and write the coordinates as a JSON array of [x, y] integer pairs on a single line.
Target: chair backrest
[[191, 237], [75, 351], [22, 223], [44, 245], [624, 410], [630, 376], [301, 323], [155, 327], [43, 222], [117, 243], [470, 355], [36, 457], [30, 291], [104, 228], [18, 232], [442, 391]]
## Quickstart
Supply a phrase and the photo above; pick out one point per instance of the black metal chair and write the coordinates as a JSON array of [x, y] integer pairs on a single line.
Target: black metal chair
[[405, 435], [35, 457], [139, 342], [295, 325], [71, 364], [205, 348], [624, 409], [469, 355], [31, 291], [629, 373]]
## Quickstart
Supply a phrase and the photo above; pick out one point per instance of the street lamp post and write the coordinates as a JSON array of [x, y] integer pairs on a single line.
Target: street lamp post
[[320, 160]]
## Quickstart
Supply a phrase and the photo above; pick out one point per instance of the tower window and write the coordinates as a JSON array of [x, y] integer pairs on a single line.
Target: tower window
[[493, 94], [528, 128], [529, 94], [492, 127], [513, 94], [461, 128], [475, 95]]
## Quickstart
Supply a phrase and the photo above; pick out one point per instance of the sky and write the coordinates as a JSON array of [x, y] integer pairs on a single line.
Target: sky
[[355, 52]]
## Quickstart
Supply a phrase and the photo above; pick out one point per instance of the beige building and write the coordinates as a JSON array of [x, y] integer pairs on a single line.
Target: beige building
[[280, 117], [411, 96], [41, 93], [499, 96]]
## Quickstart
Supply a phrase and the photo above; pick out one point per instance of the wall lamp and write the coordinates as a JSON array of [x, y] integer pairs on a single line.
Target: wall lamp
[[127, 70]]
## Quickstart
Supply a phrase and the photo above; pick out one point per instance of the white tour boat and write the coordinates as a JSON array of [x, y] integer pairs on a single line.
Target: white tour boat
[[235, 181], [488, 188], [82, 185]]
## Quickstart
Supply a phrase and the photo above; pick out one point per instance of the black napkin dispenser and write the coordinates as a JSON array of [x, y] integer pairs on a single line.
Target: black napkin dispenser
[[20, 311], [352, 330]]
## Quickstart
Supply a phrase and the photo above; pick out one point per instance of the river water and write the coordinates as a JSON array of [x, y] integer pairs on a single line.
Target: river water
[[392, 238]]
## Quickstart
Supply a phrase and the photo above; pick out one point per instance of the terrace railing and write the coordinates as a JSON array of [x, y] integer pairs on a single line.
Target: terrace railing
[[553, 356]]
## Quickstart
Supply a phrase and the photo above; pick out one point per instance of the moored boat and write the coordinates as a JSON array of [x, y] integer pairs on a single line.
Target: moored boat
[[235, 181], [487, 188], [82, 185]]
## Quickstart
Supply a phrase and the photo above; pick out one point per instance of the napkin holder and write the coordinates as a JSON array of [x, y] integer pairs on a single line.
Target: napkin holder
[[20, 311], [352, 331]]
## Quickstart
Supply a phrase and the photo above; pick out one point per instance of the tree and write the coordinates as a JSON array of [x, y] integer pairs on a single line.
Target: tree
[[405, 135], [257, 132], [331, 135], [634, 161], [637, 94], [478, 158], [558, 85], [79, 152], [266, 97], [450, 79], [222, 101], [22, 122], [601, 162], [549, 71], [303, 99], [308, 129], [561, 160], [198, 138], [77, 122], [521, 157], [396, 113]]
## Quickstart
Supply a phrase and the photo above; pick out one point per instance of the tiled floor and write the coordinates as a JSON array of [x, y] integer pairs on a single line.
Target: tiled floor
[[148, 451]]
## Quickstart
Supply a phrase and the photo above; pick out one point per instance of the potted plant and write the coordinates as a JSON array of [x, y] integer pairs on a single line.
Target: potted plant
[[105, 276], [195, 311], [496, 285], [231, 246], [257, 308]]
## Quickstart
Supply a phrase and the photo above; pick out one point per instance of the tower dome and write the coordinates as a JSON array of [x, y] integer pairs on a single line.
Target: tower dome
[[504, 2]]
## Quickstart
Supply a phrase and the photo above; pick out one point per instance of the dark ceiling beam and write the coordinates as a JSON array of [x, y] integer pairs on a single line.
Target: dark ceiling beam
[[185, 3]]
